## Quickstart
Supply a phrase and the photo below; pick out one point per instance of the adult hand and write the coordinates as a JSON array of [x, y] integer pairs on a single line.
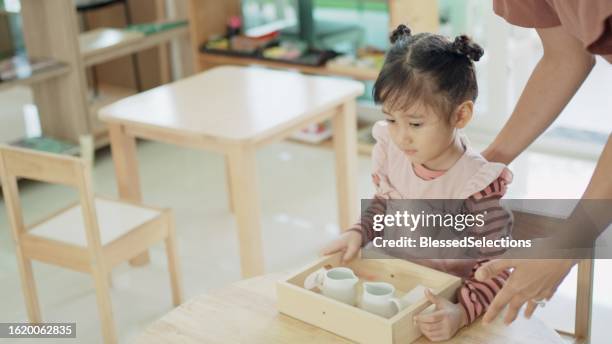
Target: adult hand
[[533, 279]]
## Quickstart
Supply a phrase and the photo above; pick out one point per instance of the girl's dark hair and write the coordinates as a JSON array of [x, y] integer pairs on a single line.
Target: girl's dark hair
[[427, 68]]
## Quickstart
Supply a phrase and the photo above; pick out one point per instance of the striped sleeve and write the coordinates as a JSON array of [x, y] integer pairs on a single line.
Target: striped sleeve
[[475, 296], [496, 189], [497, 220]]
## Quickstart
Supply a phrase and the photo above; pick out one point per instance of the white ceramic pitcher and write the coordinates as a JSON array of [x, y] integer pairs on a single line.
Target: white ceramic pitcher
[[379, 298], [337, 283]]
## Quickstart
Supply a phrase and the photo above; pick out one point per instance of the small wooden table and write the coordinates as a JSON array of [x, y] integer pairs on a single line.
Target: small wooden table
[[234, 111], [245, 312]]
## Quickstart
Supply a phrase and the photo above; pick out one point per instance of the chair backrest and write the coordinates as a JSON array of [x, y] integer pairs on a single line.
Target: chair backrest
[[18, 163], [539, 226], [46, 167]]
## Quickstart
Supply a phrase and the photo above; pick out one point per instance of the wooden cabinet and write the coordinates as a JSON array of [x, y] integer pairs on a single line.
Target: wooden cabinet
[[67, 110], [50, 30]]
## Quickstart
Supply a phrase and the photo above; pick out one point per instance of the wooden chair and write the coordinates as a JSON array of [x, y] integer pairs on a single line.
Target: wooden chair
[[584, 305], [93, 235], [540, 226]]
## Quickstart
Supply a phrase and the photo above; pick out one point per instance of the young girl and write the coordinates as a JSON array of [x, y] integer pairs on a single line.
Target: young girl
[[427, 88]]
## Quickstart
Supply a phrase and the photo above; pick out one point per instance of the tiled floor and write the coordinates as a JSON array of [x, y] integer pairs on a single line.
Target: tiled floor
[[299, 216]]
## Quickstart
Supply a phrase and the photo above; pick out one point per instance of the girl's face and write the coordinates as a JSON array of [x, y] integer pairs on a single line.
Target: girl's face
[[420, 133]]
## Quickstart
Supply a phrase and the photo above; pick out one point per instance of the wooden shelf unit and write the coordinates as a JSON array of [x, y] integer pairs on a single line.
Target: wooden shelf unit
[[209, 60], [208, 18], [38, 76], [363, 148], [51, 29], [129, 43], [107, 94], [97, 42]]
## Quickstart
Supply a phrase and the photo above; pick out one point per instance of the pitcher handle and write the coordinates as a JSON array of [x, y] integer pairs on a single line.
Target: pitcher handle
[[398, 305], [315, 279]]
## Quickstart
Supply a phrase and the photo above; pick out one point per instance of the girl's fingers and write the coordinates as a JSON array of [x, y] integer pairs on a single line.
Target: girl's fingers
[[351, 252], [433, 317], [333, 247], [348, 256], [436, 300], [435, 336], [430, 327]]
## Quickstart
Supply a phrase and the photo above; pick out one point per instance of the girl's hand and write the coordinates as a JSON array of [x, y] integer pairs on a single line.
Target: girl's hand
[[444, 322], [349, 242]]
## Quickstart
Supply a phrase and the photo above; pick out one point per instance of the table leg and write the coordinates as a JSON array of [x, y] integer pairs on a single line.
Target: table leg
[[345, 147], [245, 197], [123, 148], [230, 199]]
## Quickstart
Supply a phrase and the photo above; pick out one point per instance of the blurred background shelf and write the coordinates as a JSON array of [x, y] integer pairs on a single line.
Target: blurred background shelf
[[210, 60], [106, 94], [26, 74], [105, 44], [365, 141], [96, 66], [302, 20], [102, 44]]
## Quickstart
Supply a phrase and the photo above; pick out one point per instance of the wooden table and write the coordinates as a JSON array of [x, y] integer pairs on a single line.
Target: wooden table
[[245, 312], [234, 111]]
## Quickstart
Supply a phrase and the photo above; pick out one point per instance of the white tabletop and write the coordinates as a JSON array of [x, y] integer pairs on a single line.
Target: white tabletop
[[233, 103]]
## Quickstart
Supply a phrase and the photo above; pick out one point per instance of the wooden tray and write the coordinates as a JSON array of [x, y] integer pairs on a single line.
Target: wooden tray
[[353, 322]]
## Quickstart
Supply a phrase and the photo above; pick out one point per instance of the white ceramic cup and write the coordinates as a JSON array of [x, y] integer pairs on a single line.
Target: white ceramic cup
[[337, 283], [379, 298]]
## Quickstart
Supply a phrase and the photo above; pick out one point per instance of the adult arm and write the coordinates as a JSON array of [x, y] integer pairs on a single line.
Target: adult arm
[[558, 75], [554, 81]]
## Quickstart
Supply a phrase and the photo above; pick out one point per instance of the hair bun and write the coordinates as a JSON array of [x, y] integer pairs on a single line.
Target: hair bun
[[464, 45], [402, 31]]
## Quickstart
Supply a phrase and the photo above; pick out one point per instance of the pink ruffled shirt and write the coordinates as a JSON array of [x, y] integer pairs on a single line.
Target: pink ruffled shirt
[[392, 176]]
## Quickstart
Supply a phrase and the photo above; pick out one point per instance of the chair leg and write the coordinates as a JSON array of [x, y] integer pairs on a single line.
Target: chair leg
[[109, 279], [104, 303], [29, 287], [230, 198], [173, 261]]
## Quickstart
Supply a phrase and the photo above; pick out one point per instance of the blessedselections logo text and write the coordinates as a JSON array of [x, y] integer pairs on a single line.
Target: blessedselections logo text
[[465, 242]]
